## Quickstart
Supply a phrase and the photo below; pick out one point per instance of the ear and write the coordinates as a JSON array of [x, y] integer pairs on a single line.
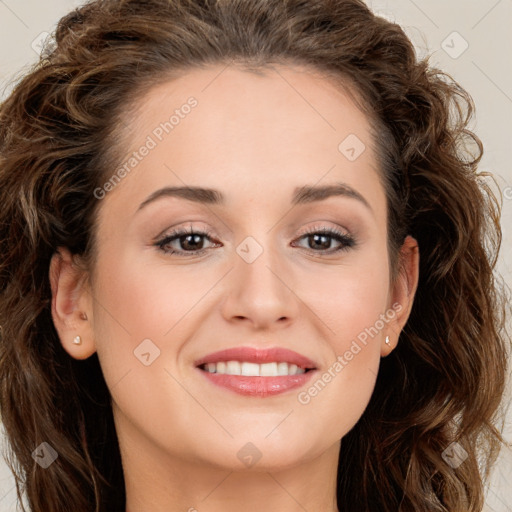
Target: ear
[[402, 293], [71, 304]]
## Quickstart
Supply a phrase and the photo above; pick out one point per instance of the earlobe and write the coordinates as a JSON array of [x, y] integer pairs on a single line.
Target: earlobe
[[402, 293], [71, 305]]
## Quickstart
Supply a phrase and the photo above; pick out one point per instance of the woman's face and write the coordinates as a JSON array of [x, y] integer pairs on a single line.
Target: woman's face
[[265, 276]]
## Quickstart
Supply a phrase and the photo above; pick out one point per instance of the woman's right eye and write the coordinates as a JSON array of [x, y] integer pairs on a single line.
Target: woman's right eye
[[183, 238]]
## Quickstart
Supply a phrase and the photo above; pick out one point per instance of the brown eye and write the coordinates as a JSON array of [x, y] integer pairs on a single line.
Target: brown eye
[[185, 242], [320, 240]]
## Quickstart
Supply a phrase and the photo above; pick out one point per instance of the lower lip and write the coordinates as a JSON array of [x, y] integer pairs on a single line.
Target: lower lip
[[258, 386]]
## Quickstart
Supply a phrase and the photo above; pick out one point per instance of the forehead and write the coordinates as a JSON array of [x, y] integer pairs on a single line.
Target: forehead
[[263, 102], [222, 125]]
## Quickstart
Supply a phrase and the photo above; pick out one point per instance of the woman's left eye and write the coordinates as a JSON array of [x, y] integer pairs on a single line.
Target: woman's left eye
[[193, 240]]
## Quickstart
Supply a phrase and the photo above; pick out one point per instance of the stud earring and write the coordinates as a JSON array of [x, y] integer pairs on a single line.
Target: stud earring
[[77, 340], [387, 340]]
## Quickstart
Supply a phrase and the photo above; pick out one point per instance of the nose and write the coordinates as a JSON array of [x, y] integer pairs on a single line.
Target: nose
[[260, 292]]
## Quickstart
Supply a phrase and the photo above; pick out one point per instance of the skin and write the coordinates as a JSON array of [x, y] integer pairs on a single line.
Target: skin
[[255, 139]]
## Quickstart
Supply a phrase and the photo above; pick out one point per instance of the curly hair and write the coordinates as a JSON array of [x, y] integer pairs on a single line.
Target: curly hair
[[59, 135]]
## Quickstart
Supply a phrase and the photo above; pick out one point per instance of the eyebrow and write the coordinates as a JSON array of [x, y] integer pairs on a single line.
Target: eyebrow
[[301, 195]]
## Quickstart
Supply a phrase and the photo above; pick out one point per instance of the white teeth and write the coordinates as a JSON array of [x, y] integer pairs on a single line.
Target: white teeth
[[282, 368], [273, 369], [268, 369], [233, 368], [250, 369]]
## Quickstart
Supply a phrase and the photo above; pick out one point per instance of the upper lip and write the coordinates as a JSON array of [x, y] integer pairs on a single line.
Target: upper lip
[[260, 356]]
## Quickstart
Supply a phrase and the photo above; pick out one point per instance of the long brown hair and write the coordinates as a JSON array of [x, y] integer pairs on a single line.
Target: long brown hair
[[58, 139]]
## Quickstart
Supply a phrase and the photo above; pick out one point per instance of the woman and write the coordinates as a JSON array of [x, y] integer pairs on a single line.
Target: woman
[[247, 263]]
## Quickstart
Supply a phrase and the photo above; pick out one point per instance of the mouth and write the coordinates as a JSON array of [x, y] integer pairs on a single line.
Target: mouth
[[253, 372], [252, 362]]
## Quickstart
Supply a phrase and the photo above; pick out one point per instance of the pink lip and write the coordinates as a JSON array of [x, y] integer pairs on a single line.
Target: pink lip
[[258, 386], [260, 356]]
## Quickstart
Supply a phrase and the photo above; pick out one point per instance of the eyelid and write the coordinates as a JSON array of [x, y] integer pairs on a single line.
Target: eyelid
[[319, 226], [187, 227]]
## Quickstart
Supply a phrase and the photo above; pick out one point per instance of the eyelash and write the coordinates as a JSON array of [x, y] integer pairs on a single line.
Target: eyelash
[[346, 241]]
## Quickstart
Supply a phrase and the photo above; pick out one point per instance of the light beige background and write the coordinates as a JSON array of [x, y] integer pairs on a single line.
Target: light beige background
[[483, 68]]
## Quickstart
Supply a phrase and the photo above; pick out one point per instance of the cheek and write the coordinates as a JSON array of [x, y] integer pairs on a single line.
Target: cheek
[[131, 306], [349, 298], [142, 300], [351, 303]]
